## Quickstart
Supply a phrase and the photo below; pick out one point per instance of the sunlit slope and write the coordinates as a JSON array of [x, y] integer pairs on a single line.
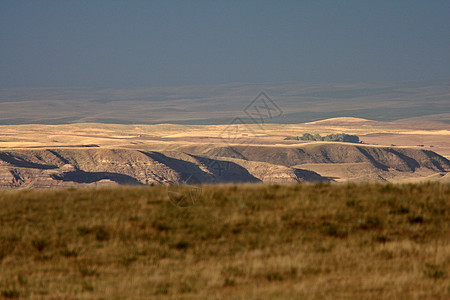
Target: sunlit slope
[[216, 164]]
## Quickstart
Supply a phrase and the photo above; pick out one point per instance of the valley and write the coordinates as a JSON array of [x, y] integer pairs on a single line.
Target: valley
[[92, 154]]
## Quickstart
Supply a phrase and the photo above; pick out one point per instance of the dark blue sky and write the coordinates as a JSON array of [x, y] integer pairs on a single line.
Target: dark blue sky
[[170, 43]]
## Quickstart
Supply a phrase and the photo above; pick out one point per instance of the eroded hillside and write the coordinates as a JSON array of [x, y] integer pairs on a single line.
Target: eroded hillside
[[62, 167]]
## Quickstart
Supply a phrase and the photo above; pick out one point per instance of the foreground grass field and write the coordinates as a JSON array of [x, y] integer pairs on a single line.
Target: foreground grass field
[[368, 241]]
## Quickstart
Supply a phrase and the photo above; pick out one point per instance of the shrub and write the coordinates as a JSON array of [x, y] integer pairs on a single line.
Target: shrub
[[400, 210], [274, 276], [371, 222], [333, 230], [6, 248], [84, 230], [128, 260], [162, 289], [86, 271], [415, 219], [381, 238], [342, 137], [307, 137], [181, 245], [10, 293], [40, 244], [229, 281], [101, 234], [69, 253], [87, 286], [433, 271]]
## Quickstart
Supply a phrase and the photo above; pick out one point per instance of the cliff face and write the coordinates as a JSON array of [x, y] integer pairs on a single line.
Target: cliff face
[[94, 166], [84, 167], [400, 159]]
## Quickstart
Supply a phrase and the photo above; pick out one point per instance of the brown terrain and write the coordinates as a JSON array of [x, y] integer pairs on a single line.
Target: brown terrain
[[40, 156]]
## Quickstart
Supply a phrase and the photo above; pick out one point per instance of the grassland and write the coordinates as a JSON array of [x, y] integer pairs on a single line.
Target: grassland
[[431, 136], [302, 241]]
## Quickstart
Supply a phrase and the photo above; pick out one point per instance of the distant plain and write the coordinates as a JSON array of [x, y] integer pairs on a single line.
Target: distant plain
[[220, 104], [201, 122]]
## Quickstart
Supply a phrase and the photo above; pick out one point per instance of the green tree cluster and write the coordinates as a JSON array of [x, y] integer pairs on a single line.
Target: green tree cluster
[[335, 137]]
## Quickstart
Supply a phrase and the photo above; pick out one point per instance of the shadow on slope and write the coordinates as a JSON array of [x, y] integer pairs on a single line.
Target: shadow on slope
[[226, 171], [20, 162], [311, 176], [215, 171], [185, 169], [79, 176]]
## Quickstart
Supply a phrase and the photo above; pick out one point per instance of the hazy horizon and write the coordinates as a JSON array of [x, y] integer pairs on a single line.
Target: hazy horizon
[[160, 44]]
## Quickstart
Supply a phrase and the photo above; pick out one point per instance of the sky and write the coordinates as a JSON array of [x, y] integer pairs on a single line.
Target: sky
[[125, 44]]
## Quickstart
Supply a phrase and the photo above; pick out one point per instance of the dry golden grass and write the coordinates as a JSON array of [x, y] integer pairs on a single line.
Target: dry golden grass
[[17, 136], [322, 241], [433, 136]]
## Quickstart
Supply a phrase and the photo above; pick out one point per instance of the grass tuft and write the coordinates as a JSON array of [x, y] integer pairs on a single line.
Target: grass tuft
[[102, 234], [87, 271], [10, 293], [434, 271], [181, 245], [415, 219], [40, 244]]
